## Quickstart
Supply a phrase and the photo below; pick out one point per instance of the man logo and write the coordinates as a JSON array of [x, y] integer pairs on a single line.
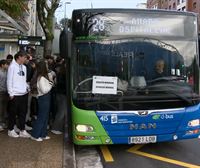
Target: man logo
[[142, 113], [142, 126]]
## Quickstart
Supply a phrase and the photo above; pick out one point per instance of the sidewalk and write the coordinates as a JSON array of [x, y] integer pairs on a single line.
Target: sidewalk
[[26, 153]]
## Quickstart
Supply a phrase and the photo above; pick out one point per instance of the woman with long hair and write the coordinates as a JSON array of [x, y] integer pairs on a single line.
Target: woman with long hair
[[44, 85]]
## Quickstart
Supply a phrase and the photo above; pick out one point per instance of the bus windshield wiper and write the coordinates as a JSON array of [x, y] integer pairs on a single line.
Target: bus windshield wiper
[[164, 86], [167, 78], [173, 92], [106, 101]]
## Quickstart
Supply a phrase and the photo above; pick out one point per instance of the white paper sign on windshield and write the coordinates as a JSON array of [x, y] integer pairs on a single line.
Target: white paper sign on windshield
[[104, 85]]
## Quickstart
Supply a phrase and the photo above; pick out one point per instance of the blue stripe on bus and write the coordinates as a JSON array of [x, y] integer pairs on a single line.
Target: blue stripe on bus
[[121, 126]]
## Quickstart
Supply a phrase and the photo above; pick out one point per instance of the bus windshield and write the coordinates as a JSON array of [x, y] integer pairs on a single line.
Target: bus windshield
[[152, 63]]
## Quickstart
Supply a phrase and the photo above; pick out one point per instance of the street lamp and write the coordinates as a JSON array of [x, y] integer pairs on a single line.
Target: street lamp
[[65, 8], [66, 21]]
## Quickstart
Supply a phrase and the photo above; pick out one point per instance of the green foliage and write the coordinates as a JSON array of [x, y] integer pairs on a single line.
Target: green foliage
[[14, 8], [66, 22]]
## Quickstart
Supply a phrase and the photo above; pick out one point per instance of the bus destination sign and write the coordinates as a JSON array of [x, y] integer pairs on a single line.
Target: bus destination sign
[[138, 25]]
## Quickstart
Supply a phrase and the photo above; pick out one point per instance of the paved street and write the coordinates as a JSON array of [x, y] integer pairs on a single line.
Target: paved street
[[26, 153], [88, 157], [160, 155]]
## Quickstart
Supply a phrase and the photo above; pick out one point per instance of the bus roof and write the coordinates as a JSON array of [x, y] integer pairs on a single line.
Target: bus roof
[[123, 10]]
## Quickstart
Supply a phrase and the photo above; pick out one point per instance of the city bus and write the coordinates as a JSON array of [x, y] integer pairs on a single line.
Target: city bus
[[134, 76]]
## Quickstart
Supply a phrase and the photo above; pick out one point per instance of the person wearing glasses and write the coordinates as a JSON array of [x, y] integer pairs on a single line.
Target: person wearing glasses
[[18, 93]]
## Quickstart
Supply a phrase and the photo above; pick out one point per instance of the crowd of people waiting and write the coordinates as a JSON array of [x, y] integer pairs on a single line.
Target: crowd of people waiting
[[32, 95]]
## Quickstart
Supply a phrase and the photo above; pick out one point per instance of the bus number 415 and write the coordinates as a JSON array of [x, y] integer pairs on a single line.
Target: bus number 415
[[104, 118]]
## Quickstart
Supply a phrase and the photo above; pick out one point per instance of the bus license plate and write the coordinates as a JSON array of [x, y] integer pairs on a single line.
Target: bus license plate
[[142, 139]]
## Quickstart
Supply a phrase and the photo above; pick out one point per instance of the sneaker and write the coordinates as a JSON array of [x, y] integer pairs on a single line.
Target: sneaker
[[56, 132], [37, 139], [28, 128], [16, 129], [1, 128], [13, 134], [24, 134], [46, 138]]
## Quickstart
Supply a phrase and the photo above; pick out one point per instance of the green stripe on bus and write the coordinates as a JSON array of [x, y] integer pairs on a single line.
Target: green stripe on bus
[[88, 117]]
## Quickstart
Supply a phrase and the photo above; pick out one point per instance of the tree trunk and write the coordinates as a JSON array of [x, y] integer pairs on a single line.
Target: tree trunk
[[45, 16], [48, 47]]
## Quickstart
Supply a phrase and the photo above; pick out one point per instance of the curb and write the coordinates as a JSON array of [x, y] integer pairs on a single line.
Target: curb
[[69, 160]]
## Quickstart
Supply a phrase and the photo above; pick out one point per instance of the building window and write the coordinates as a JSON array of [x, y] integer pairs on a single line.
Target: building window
[[183, 1], [194, 5], [155, 7], [170, 7], [178, 2], [174, 5]]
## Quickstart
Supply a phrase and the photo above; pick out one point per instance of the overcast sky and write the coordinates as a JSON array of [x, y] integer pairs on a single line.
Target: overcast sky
[[78, 4]]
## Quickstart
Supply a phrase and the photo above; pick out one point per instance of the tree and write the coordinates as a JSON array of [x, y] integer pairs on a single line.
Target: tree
[[46, 10], [66, 22], [14, 8]]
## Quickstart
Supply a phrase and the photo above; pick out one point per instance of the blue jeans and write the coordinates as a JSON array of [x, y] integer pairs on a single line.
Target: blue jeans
[[40, 125]]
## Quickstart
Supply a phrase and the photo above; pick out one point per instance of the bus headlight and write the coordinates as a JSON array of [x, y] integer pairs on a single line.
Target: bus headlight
[[84, 128], [194, 123]]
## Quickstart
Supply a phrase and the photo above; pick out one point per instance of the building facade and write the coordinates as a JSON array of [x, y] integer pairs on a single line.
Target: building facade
[[11, 28], [164, 4], [179, 5], [154, 4], [194, 6]]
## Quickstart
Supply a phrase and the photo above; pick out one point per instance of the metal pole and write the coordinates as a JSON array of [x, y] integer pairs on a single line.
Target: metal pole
[[65, 17], [65, 11], [65, 8]]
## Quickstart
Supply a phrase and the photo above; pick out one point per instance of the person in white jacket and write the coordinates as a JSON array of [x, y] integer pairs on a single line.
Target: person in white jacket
[[18, 92], [44, 86]]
